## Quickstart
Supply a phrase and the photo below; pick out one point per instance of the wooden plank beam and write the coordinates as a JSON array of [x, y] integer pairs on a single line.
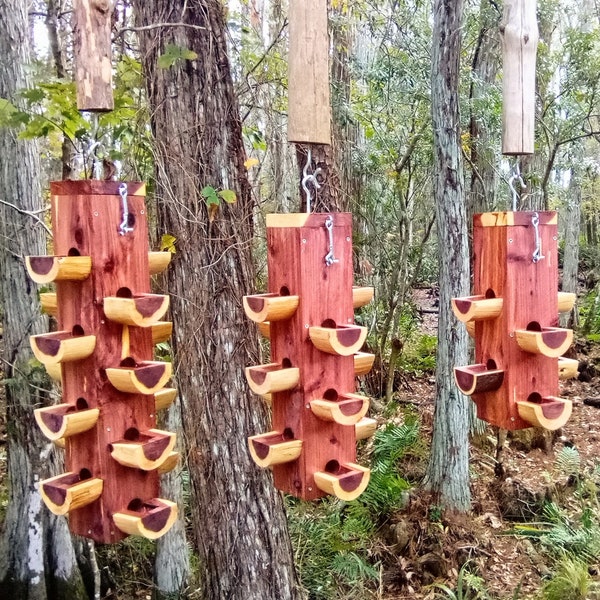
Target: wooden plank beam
[[92, 47], [309, 105], [519, 32]]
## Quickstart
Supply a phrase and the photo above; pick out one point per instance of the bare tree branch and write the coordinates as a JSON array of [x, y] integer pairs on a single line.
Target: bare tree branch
[[30, 213]]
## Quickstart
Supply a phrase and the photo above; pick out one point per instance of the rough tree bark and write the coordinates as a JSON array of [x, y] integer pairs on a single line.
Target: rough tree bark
[[37, 560], [448, 470], [238, 518]]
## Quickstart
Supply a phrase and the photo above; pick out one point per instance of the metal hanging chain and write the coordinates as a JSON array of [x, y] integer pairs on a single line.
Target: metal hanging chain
[[516, 176], [124, 226], [310, 178], [330, 256], [537, 253]]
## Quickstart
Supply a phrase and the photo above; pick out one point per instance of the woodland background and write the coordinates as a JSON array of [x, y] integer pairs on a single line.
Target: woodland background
[[200, 114]]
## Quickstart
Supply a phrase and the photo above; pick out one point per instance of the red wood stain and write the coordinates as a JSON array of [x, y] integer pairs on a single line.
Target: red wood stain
[[155, 446], [156, 518], [149, 375], [57, 490], [255, 303], [350, 407], [554, 339], [41, 265], [552, 409], [261, 448], [348, 335], [148, 305], [350, 481], [48, 345]]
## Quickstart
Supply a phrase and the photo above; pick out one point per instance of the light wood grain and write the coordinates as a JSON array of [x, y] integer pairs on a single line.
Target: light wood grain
[[519, 32], [309, 104]]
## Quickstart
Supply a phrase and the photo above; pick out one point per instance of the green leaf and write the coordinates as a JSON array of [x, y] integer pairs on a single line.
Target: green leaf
[[210, 195], [228, 195], [174, 53], [34, 95], [10, 115]]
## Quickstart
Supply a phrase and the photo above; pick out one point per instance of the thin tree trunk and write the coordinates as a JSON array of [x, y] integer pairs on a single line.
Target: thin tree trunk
[[485, 66], [572, 229], [58, 57], [448, 470], [238, 517], [37, 560], [172, 562]]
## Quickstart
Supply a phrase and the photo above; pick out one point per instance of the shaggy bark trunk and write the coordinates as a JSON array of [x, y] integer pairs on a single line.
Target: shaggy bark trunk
[[448, 470], [238, 517], [37, 560]]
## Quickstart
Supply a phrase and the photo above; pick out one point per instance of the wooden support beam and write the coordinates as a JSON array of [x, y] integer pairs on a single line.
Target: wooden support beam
[[309, 104], [92, 47], [519, 32]]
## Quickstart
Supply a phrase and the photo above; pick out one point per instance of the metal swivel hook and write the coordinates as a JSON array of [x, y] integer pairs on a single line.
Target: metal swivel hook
[[310, 178], [537, 253], [124, 226], [516, 176]]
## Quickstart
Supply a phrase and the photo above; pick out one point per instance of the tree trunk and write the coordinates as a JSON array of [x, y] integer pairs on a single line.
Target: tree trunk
[[572, 229], [59, 59], [172, 563], [238, 517], [485, 66], [37, 560], [448, 470]]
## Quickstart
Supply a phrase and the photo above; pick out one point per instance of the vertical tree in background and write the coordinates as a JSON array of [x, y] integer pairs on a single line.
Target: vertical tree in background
[[37, 560], [238, 517], [485, 66], [448, 471]]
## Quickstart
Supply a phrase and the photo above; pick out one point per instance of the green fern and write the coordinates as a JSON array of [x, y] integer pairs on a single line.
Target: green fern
[[580, 540], [568, 461], [332, 539], [571, 582], [391, 443]]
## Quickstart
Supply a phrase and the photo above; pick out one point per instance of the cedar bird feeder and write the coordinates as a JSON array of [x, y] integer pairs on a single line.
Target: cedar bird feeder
[[513, 316], [108, 323], [308, 315], [308, 311]]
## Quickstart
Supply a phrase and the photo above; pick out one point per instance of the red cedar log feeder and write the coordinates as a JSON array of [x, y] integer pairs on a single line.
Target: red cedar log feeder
[[113, 451], [317, 416], [518, 346]]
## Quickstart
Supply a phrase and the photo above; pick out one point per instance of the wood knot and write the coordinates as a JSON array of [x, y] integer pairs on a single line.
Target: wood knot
[[103, 6]]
